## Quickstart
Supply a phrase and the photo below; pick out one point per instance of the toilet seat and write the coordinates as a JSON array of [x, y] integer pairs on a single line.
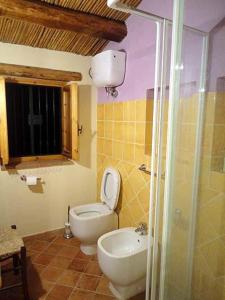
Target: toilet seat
[[110, 188], [88, 214], [90, 211], [89, 221]]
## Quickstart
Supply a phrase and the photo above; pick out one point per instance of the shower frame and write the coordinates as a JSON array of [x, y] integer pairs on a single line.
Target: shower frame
[[156, 154]]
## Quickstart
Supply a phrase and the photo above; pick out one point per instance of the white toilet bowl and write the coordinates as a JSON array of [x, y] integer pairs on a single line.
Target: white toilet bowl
[[122, 256], [88, 222]]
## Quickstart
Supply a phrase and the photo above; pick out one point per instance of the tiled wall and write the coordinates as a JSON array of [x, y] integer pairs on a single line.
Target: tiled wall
[[218, 127], [209, 259], [123, 143], [124, 137], [208, 277]]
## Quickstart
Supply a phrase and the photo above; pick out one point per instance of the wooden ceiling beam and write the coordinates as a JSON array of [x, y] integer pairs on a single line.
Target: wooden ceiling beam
[[9, 70], [65, 19]]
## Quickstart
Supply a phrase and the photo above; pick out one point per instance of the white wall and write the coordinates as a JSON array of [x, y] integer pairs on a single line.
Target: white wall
[[43, 58], [45, 207]]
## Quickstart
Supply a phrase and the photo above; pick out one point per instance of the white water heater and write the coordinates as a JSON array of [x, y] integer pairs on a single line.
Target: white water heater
[[108, 68]]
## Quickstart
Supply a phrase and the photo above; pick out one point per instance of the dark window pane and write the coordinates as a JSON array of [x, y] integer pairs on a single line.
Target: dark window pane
[[34, 119]]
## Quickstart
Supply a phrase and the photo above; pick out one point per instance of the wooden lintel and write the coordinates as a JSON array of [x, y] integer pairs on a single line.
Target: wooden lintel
[[64, 19], [9, 70]]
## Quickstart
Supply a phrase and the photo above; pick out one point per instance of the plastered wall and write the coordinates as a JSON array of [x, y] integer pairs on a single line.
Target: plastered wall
[[45, 207]]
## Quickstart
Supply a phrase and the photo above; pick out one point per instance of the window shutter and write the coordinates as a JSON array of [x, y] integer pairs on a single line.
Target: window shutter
[[66, 121], [70, 121], [4, 148]]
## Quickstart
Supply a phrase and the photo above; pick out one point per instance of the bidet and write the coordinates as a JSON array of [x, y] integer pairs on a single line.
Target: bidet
[[122, 256]]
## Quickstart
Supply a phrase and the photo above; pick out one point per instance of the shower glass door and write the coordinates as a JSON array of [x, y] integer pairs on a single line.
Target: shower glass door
[[185, 124]]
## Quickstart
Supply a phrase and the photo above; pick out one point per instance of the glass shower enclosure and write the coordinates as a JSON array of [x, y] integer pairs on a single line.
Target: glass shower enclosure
[[191, 265], [186, 253]]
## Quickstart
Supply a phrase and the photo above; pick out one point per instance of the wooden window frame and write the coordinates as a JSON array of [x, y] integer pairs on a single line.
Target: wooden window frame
[[69, 87]]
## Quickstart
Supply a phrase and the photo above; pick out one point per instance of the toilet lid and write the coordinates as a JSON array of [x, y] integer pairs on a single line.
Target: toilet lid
[[110, 188]]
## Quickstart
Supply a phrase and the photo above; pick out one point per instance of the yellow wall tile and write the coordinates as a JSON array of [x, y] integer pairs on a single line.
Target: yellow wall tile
[[129, 111], [100, 129], [215, 211], [99, 145], [109, 111], [148, 138], [140, 133], [143, 197], [128, 152], [129, 132], [118, 111], [107, 147], [217, 181], [118, 131], [108, 126], [118, 150], [100, 112], [139, 154], [214, 254], [219, 108], [210, 108], [141, 110], [135, 210], [149, 110]]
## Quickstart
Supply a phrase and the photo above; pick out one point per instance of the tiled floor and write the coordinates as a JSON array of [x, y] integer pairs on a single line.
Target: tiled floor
[[58, 270]]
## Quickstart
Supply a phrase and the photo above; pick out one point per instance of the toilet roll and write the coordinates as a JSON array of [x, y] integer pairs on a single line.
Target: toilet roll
[[31, 180]]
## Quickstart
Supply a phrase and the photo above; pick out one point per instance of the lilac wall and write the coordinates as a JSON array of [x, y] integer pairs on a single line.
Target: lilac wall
[[140, 47], [216, 68]]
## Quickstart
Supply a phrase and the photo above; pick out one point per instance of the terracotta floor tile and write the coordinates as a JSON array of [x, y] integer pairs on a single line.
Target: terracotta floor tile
[[43, 259], [88, 282], [47, 236], [103, 297], [59, 292], [93, 268], [34, 278], [81, 295], [59, 232], [53, 249], [51, 273], [139, 297], [28, 239], [39, 291], [35, 268], [79, 265], [31, 255], [94, 257], [38, 245], [69, 252], [103, 286], [61, 262], [60, 240], [74, 242], [28, 243], [69, 278]]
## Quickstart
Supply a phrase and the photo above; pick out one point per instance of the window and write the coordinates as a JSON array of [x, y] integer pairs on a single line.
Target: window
[[38, 121]]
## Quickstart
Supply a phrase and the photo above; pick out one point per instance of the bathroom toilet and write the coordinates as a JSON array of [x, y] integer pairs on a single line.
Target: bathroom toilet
[[122, 257], [88, 222]]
